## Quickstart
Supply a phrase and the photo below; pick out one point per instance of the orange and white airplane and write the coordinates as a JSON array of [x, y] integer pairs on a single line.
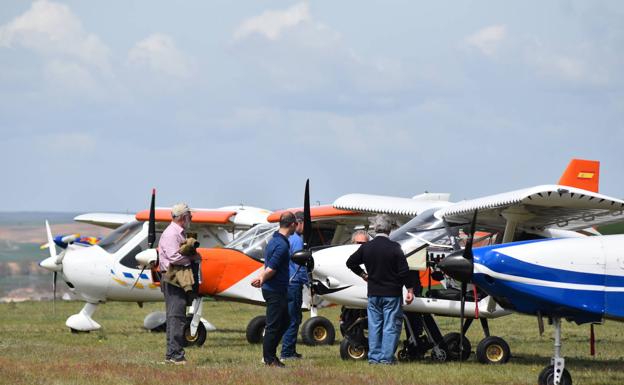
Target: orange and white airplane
[[107, 271]]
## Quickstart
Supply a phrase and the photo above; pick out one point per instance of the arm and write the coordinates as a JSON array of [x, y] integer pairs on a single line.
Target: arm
[[404, 273], [272, 262], [354, 262]]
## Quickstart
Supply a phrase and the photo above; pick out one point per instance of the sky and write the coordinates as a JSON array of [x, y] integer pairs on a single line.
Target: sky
[[220, 103]]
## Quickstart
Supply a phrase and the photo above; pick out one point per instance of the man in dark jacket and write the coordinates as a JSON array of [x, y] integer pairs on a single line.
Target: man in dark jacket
[[386, 274], [274, 283]]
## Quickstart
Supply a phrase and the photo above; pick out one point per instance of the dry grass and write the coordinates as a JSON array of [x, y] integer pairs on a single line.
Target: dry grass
[[36, 348]]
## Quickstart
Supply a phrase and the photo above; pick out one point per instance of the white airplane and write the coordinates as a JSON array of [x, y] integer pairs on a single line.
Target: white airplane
[[107, 271], [538, 212]]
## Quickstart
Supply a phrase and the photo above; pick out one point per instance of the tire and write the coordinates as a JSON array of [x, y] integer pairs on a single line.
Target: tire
[[255, 330], [439, 354], [349, 351], [493, 350], [547, 377], [318, 331], [200, 336], [451, 341]]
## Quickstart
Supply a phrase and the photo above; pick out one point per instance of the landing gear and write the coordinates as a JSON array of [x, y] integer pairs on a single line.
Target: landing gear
[[318, 331], [451, 340], [255, 330], [493, 350], [547, 377], [555, 373], [200, 335], [352, 351]]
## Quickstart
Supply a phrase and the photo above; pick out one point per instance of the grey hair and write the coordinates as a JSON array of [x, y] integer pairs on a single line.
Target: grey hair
[[382, 223], [358, 233]]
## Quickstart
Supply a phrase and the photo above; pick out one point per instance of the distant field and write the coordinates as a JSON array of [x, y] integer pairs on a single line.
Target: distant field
[[38, 349]]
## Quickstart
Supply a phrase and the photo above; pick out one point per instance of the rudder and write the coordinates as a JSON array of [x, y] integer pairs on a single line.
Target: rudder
[[583, 174]]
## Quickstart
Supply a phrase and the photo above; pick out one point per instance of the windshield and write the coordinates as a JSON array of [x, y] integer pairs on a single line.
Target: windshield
[[423, 231], [115, 240], [253, 241]]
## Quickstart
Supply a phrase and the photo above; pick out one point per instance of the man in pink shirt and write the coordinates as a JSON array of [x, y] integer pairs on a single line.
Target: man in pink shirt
[[175, 297]]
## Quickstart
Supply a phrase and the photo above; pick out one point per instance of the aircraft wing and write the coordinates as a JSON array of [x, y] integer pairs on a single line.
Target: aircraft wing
[[394, 206], [539, 207], [108, 220], [323, 213]]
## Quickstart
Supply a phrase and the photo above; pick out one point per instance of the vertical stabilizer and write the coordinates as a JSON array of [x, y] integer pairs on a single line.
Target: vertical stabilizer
[[583, 174]]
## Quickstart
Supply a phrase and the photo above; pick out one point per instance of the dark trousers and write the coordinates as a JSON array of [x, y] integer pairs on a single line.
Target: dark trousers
[[277, 321], [295, 298], [175, 301]]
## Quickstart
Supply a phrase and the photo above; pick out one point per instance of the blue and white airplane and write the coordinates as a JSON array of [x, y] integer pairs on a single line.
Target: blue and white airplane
[[577, 279]]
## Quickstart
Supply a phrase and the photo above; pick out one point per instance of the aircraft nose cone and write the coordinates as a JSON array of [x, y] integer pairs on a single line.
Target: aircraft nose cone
[[50, 264], [457, 267]]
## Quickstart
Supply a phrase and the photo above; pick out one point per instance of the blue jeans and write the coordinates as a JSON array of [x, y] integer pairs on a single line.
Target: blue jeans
[[385, 319], [276, 322], [289, 341]]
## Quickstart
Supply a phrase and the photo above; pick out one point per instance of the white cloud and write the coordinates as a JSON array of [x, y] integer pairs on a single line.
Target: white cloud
[[52, 30], [272, 23], [487, 39], [159, 53], [582, 64]]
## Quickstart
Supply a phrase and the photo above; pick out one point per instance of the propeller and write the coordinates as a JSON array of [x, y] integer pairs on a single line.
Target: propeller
[[52, 263], [304, 257], [460, 266], [151, 234]]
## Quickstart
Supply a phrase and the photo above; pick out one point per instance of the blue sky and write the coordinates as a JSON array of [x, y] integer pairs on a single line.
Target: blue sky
[[222, 102]]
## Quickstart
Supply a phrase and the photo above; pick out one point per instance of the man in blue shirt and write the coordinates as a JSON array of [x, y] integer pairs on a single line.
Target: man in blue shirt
[[274, 283], [298, 278]]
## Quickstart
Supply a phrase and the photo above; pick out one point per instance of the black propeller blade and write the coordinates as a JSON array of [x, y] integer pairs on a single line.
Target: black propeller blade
[[54, 275], [151, 229], [460, 267], [151, 232], [304, 257], [307, 217]]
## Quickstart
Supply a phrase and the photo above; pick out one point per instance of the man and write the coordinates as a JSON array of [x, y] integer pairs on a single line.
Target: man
[[175, 297], [274, 283], [386, 274], [359, 237], [298, 278]]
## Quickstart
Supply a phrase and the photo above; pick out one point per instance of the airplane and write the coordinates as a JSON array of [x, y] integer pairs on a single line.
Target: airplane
[[580, 280], [107, 270], [547, 211], [227, 272]]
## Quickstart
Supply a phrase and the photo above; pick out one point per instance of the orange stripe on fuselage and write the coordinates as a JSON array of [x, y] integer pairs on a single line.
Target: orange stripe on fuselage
[[212, 216], [316, 212], [223, 268]]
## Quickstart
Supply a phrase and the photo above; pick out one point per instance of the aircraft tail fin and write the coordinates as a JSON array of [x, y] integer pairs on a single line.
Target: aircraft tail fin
[[583, 174]]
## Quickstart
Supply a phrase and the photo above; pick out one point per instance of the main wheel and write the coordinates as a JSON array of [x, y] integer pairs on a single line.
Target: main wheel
[[547, 377], [200, 336], [493, 350], [255, 330], [349, 351], [452, 347], [318, 331]]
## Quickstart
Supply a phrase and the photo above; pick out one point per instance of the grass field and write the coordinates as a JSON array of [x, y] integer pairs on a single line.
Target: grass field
[[36, 348]]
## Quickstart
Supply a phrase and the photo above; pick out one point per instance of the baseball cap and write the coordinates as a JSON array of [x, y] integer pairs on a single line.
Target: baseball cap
[[179, 209]]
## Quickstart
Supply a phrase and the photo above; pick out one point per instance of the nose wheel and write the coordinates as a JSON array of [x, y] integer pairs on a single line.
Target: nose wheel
[[555, 373]]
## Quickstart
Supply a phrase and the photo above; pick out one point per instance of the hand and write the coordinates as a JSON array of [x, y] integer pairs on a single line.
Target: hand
[[257, 282], [409, 297], [364, 277]]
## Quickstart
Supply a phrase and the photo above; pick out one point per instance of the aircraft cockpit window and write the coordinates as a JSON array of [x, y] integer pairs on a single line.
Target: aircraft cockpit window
[[424, 231], [254, 240], [115, 240], [129, 260]]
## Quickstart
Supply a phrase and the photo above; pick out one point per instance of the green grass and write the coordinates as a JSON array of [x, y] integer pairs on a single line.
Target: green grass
[[36, 348]]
